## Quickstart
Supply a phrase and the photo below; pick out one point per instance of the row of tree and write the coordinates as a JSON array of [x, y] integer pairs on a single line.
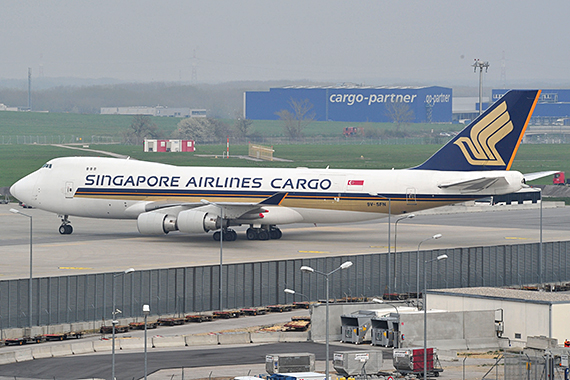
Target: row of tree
[[295, 120], [202, 130]]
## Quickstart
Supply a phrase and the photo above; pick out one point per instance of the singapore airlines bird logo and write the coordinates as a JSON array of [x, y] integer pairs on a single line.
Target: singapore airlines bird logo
[[480, 149]]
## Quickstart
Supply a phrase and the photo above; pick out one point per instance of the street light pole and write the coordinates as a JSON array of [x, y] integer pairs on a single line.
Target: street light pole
[[207, 202], [146, 312], [540, 280], [114, 322], [307, 269], [408, 216], [221, 255], [291, 291], [378, 300], [440, 257], [436, 236], [30, 304], [480, 65]]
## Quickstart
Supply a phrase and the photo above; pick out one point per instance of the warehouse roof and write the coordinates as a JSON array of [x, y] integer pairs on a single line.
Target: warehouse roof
[[506, 294], [357, 86]]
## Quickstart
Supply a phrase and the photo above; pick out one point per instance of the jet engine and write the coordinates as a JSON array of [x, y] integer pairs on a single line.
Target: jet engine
[[156, 223], [194, 221]]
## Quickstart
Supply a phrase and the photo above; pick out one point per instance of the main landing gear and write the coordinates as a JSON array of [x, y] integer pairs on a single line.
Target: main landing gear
[[229, 235], [263, 233], [65, 228]]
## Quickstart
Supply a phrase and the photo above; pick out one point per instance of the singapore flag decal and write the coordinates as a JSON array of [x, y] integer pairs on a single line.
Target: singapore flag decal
[[355, 184]]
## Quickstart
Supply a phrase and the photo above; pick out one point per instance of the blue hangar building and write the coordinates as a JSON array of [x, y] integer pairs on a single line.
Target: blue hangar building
[[354, 103], [552, 106]]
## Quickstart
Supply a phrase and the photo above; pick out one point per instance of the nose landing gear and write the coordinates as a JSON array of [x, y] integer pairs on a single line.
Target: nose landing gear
[[65, 228]]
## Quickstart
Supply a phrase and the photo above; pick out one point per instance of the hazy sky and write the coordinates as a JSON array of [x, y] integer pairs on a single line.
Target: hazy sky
[[375, 42]]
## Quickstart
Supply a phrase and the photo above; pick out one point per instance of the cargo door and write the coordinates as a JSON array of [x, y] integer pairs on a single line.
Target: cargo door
[[411, 196]]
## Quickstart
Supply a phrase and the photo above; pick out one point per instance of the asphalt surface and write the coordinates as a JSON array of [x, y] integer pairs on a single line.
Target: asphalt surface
[[112, 245], [129, 365]]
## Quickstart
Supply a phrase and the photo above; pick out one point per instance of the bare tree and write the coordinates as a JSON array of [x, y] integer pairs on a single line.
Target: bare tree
[[400, 113], [296, 121], [242, 125], [141, 127]]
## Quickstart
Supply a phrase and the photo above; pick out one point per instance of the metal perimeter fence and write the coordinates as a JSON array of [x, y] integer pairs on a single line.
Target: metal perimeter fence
[[521, 366], [68, 299], [546, 138], [310, 140]]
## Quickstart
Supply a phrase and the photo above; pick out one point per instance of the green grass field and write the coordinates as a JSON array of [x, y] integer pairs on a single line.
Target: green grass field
[[18, 160]]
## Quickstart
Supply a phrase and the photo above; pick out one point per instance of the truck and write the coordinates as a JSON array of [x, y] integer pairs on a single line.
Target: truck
[[352, 131], [559, 179]]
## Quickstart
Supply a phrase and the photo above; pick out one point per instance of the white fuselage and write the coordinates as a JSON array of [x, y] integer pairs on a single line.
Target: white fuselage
[[120, 188]]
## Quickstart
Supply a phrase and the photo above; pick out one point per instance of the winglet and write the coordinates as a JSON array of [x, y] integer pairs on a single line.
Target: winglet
[[274, 200], [491, 141]]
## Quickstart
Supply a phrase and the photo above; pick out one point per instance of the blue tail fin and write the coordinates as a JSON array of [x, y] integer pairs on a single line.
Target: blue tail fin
[[491, 141]]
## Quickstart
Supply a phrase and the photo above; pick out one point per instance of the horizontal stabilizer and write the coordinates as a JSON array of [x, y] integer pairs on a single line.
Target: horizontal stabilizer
[[477, 184], [532, 176]]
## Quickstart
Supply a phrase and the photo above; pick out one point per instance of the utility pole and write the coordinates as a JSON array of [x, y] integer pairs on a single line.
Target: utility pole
[[480, 65], [194, 77], [29, 88]]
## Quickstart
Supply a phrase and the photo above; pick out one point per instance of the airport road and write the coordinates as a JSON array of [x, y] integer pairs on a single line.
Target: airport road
[[203, 362], [98, 245], [129, 364]]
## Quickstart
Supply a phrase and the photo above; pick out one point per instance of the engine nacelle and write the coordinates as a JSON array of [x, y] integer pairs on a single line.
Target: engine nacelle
[[194, 221], [156, 223]]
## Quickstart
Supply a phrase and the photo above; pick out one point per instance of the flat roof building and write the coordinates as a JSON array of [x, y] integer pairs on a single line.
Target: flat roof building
[[154, 111], [354, 103], [520, 313]]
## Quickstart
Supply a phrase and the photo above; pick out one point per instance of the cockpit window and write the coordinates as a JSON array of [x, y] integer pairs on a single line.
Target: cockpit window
[[48, 166]]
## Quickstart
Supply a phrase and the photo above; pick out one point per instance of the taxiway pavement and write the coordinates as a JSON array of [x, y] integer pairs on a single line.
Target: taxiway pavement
[[99, 245]]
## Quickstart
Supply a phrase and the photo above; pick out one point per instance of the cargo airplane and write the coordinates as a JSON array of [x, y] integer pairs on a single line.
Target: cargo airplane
[[164, 198]]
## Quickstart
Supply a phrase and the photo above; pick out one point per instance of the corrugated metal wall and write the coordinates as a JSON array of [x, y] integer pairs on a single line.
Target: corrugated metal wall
[[355, 104], [70, 299]]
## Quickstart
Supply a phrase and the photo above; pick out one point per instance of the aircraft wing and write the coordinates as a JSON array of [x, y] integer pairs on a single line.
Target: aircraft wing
[[475, 185], [240, 210], [231, 210]]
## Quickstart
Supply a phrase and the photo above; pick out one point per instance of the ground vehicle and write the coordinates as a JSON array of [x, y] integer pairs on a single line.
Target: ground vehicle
[[411, 361], [353, 131], [559, 179]]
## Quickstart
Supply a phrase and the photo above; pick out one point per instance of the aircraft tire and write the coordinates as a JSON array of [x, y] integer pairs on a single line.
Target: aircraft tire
[[230, 235], [216, 236], [263, 235], [65, 229], [275, 233], [251, 234]]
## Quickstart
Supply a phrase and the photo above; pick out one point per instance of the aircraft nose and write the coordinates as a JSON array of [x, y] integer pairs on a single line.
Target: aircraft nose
[[22, 189]]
